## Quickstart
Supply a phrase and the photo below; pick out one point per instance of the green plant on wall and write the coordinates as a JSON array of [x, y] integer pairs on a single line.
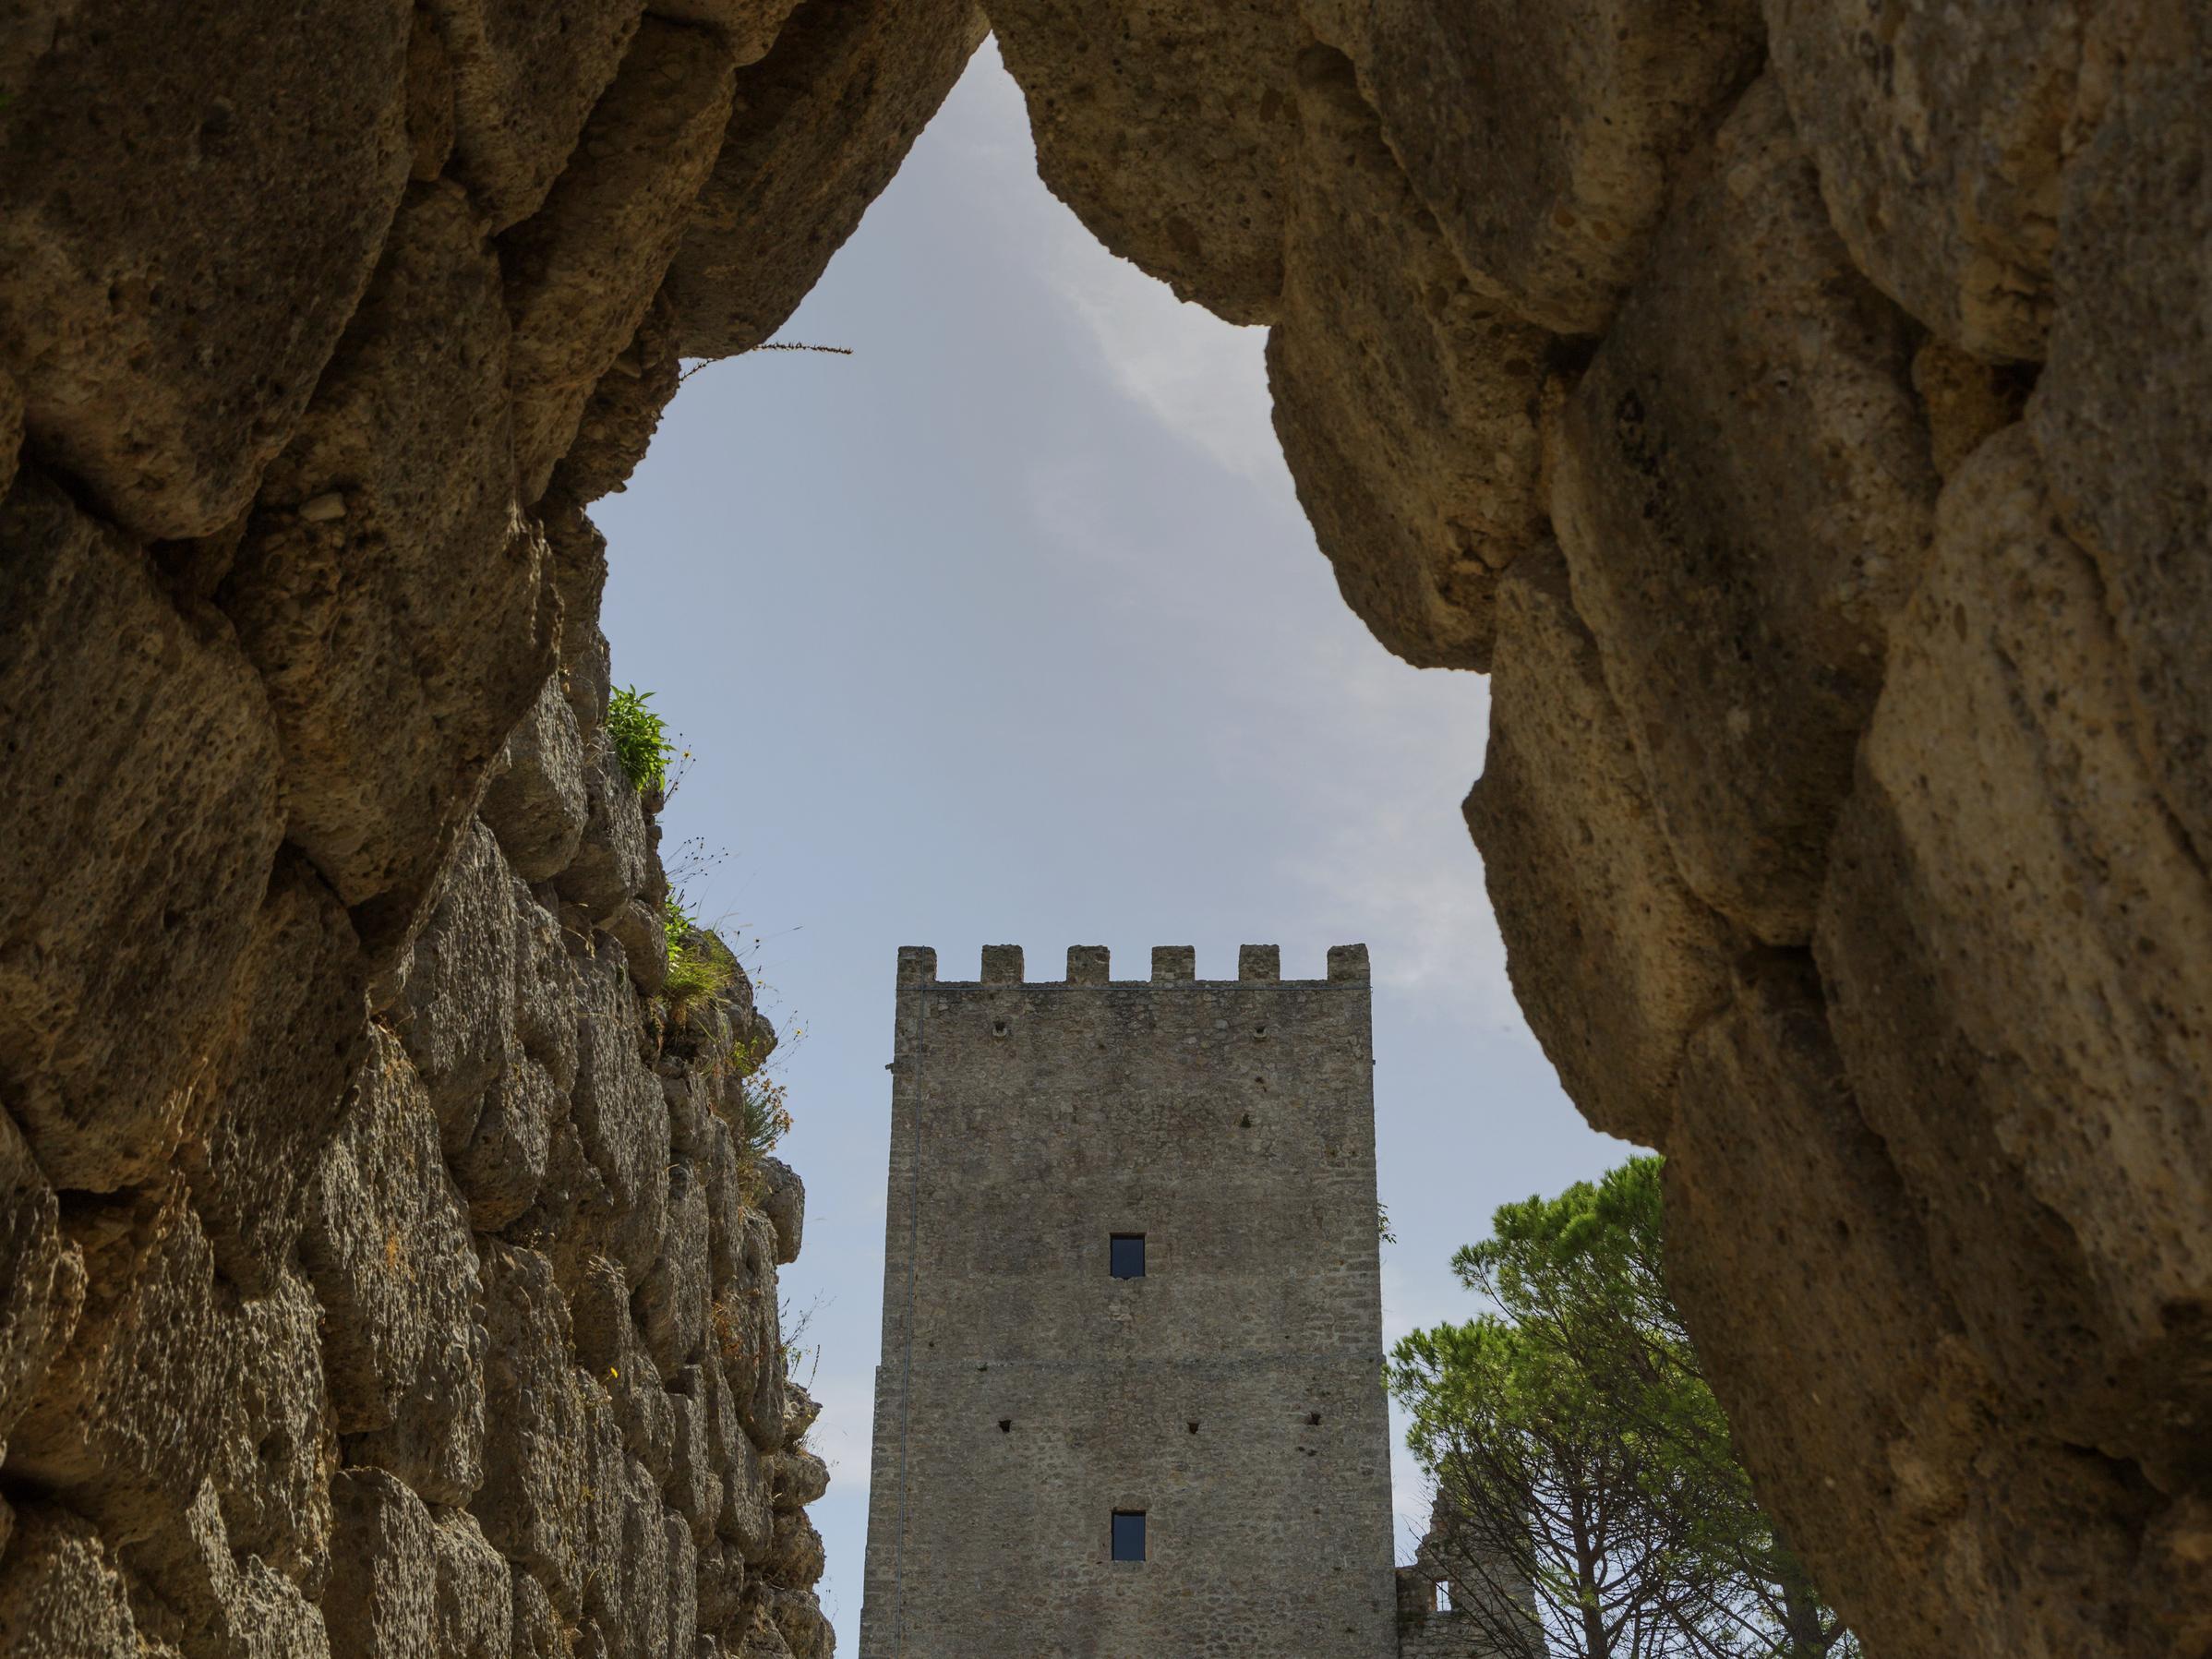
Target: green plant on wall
[[699, 965], [642, 745], [764, 1114]]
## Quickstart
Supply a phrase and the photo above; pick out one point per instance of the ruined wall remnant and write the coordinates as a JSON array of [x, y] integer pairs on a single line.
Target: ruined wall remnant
[[1799, 411], [381, 1271]]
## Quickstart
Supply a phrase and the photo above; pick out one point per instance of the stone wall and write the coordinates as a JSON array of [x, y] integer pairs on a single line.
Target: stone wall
[[379, 1273], [1232, 1393], [1799, 411]]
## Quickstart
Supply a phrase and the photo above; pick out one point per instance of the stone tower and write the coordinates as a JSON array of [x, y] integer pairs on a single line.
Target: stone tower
[[1130, 1404]]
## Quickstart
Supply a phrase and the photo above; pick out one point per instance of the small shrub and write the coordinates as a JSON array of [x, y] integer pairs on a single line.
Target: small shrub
[[677, 922], [699, 965], [764, 1114], [641, 739]]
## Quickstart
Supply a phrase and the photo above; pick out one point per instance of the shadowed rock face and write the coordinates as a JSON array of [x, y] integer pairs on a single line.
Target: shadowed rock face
[[1800, 413], [379, 1273]]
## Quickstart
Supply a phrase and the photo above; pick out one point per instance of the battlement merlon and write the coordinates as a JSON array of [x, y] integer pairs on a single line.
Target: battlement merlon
[[1172, 964]]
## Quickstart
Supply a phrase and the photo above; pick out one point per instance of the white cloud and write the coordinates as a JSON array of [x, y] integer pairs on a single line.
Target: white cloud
[[1202, 380]]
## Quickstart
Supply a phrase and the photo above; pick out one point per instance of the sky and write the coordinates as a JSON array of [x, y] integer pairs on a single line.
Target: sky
[[1006, 629]]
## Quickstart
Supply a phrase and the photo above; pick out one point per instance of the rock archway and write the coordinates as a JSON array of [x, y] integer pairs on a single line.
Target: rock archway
[[1799, 413]]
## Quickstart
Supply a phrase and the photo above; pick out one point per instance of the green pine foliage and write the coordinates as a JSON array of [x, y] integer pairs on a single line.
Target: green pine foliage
[[1579, 1452]]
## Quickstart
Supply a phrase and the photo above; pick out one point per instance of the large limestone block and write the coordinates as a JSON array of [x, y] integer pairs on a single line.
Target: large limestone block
[[188, 1589], [784, 1202], [259, 1126], [613, 861], [388, 1246], [578, 577], [799, 1620], [760, 1638], [1169, 127], [640, 928], [271, 1474], [1614, 960], [682, 1555], [672, 1301], [796, 1477], [625, 409], [1408, 405], [621, 1120], [2015, 933], [721, 1593], [694, 1489], [476, 1600], [748, 1326], [747, 1513], [583, 271], [1939, 130], [501, 1168], [752, 26], [625, 1541], [1544, 136], [41, 1277], [816, 131], [525, 76], [726, 1181], [1743, 490], [382, 1600], [547, 987], [140, 797], [612, 1354], [128, 1420], [539, 1632], [62, 1595], [2119, 410], [534, 802], [191, 199], [457, 1012], [531, 1504], [1867, 1422], [387, 589], [795, 1549]]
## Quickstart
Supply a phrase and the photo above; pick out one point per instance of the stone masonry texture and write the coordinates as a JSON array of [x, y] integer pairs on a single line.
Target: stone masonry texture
[[1798, 408], [1232, 1393]]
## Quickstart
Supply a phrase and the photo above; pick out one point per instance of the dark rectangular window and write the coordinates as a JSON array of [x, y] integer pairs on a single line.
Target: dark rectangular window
[[1125, 1257], [1128, 1534]]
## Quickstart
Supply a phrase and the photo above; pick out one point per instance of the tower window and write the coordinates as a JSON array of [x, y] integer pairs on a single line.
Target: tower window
[[1128, 1534], [1125, 1259]]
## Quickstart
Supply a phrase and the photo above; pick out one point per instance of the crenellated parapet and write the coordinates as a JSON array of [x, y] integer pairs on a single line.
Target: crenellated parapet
[[1170, 964]]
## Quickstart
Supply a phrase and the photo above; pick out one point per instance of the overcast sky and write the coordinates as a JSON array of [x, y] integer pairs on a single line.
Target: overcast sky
[[1007, 628]]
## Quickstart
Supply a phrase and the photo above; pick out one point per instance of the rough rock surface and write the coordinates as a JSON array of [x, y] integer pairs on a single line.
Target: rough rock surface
[[289, 1036], [1407, 405], [817, 129], [387, 590], [1745, 457], [2005, 756], [167, 808], [1849, 844], [1933, 1195], [1551, 213], [1168, 127], [1615, 960], [1939, 130], [184, 246]]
